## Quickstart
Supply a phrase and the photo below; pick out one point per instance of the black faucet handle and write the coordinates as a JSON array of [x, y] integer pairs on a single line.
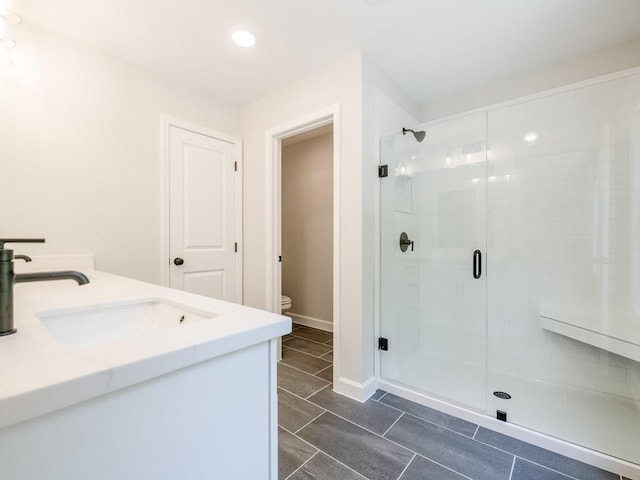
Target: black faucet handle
[[20, 240]]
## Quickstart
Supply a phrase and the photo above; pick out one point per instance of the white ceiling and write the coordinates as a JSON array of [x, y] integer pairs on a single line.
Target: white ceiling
[[432, 48]]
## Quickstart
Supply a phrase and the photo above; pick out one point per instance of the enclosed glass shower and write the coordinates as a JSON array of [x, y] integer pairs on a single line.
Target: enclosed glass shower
[[516, 284]]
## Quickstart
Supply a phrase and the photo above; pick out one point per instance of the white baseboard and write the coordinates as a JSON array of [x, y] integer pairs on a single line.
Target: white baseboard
[[357, 391], [311, 322], [567, 449]]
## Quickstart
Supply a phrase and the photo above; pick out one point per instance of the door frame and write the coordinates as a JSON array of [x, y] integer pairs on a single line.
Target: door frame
[[166, 122], [273, 212]]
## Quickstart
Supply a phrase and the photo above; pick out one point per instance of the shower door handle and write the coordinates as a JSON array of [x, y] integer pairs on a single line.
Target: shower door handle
[[477, 264]]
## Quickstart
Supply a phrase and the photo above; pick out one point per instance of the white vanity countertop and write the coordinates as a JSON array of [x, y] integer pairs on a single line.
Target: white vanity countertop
[[39, 376]]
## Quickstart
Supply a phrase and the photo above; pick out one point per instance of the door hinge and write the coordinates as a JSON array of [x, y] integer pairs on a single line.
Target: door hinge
[[235, 166], [236, 247], [383, 171], [383, 343], [280, 258]]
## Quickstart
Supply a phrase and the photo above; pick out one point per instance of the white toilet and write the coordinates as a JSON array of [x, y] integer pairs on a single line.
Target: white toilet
[[285, 304]]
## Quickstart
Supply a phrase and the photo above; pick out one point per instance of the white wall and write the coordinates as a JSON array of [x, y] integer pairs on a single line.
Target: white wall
[[307, 230], [350, 83], [80, 140], [591, 65], [338, 84]]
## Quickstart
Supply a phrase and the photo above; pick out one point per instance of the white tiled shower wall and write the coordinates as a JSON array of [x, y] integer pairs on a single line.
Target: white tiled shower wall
[[562, 224], [562, 235], [562, 231]]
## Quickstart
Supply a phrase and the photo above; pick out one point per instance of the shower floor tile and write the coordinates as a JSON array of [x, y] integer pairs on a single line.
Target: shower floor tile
[[325, 436]]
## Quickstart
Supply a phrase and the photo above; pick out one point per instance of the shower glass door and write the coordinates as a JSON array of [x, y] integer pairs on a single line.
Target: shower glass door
[[433, 287]]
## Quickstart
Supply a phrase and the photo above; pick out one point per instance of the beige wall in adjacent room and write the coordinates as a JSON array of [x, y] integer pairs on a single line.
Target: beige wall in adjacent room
[[307, 228]]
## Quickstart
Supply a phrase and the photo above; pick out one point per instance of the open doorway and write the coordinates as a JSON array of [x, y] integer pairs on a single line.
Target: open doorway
[[307, 249], [314, 310], [307, 228]]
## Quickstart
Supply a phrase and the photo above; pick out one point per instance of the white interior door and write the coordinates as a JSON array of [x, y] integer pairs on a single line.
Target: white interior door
[[203, 214]]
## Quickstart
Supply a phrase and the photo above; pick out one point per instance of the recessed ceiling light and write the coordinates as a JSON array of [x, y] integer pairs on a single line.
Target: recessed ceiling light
[[243, 38], [531, 138]]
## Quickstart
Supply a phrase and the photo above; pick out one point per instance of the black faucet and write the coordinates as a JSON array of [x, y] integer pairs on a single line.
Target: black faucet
[[8, 278]]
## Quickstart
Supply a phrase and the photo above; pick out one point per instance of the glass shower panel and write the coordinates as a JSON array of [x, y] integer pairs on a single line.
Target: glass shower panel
[[433, 310], [563, 236]]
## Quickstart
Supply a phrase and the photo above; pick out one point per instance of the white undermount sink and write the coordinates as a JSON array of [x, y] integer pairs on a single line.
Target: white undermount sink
[[95, 324]]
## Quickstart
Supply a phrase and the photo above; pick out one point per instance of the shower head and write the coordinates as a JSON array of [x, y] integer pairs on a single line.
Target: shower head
[[419, 134]]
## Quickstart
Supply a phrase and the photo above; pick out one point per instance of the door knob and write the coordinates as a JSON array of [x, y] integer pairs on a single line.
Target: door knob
[[178, 261], [405, 242]]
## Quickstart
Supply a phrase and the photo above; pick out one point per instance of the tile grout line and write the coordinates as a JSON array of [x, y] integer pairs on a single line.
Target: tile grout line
[[301, 398], [330, 347], [333, 458], [311, 355], [310, 421], [365, 429], [513, 464], [389, 440], [406, 466], [392, 425], [438, 425], [378, 399], [422, 419], [357, 424], [473, 438], [534, 462], [309, 340], [549, 468], [294, 335], [296, 368], [307, 399], [320, 450], [325, 453], [345, 465], [308, 460], [444, 466], [339, 462], [327, 368]]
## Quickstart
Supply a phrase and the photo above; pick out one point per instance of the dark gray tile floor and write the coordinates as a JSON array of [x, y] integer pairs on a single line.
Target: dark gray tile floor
[[325, 436]]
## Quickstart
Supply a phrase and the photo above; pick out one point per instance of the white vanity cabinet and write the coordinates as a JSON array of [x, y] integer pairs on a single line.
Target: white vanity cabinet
[[196, 404]]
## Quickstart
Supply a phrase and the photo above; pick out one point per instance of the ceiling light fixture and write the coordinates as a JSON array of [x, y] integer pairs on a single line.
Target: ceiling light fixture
[[243, 38]]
